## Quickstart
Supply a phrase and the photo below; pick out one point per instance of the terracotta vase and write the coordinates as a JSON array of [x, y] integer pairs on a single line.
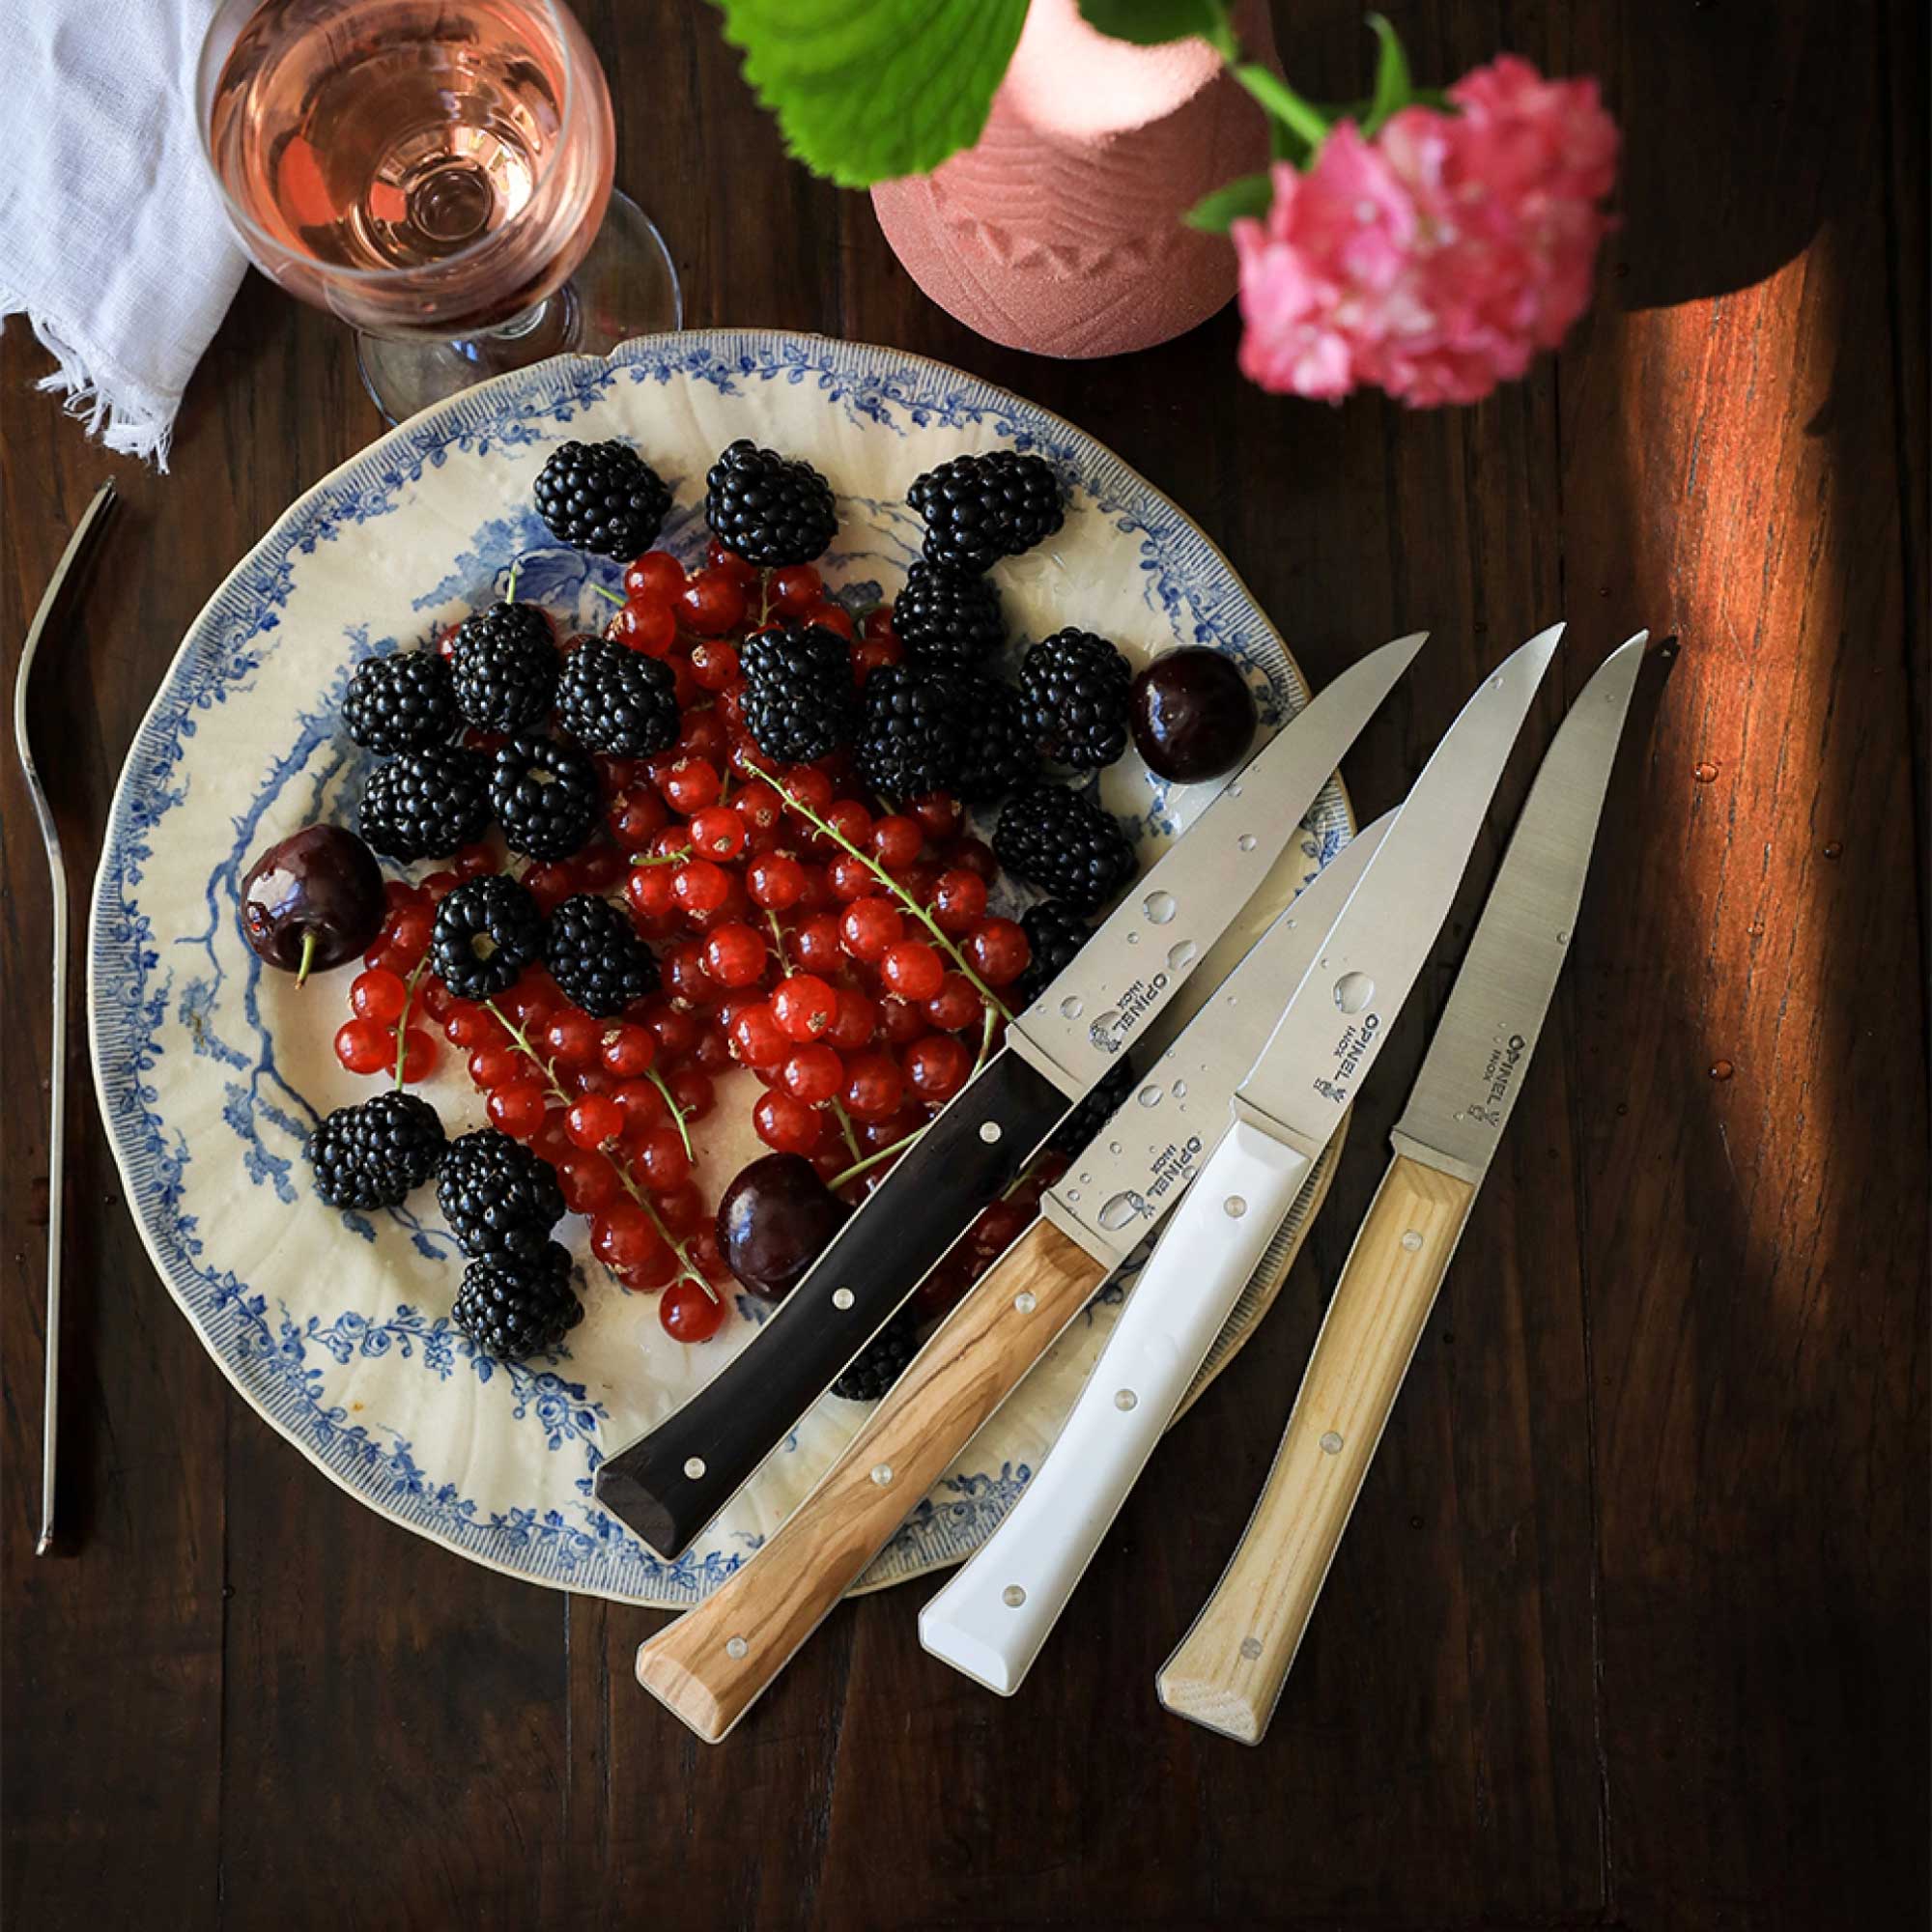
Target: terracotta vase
[[1060, 231]]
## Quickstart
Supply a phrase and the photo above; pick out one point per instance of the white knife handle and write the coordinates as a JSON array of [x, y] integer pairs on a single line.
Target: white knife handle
[[991, 1619], [1228, 1671]]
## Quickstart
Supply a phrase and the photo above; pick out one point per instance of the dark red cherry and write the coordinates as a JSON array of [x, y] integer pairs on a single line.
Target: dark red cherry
[[1193, 715], [774, 1219], [313, 900]]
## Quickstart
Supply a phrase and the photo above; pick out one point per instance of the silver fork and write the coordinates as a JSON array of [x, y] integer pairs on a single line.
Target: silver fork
[[86, 535]]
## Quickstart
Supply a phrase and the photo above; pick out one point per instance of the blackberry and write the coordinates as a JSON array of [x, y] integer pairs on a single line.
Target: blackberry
[[373, 1154], [513, 1310], [1056, 933], [487, 930], [912, 738], [980, 508], [1064, 844], [767, 510], [881, 1361], [544, 793], [1072, 1135], [400, 702], [499, 1199], [427, 804], [1074, 688], [504, 666], [800, 700], [602, 496], [999, 753], [612, 699], [595, 955], [946, 615]]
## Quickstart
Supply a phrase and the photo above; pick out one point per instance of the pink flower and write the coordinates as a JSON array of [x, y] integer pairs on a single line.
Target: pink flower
[[1435, 261]]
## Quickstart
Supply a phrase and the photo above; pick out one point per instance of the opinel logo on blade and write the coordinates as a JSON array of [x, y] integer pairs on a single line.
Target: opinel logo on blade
[[1109, 1032], [1498, 1073], [1347, 1055], [1172, 1165]]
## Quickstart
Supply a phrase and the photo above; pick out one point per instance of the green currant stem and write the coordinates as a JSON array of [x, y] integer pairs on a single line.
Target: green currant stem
[[985, 1039], [845, 1128], [619, 1165], [402, 1019], [676, 858], [777, 939], [872, 1160], [657, 1080], [307, 959], [899, 893], [604, 590], [510, 588]]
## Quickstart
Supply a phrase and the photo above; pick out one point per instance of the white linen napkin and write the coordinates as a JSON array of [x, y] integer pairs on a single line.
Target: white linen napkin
[[112, 242]]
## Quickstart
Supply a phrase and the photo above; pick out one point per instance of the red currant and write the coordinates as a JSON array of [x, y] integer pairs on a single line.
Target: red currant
[[804, 1007], [936, 1067], [816, 944], [655, 574], [597, 868], [518, 1109], [468, 1026], [713, 664], [775, 881], [875, 654], [701, 736], [999, 950], [719, 556], [975, 855], [869, 928], [938, 815], [955, 1006], [645, 1108], [897, 841], [795, 589], [588, 1181], [875, 1087], [573, 1039], [851, 877], [691, 1088], [685, 978], [365, 1046], [717, 833], [830, 617], [756, 1037], [472, 862], [692, 785], [785, 1125], [549, 885], [435, 999], [497, 1064], [711, 603], [814, 1074], [636, 816], [675, 1031], [690, 1312], [622, 1237], [661, 1160], [913, 970], [851, 822], [697, 886], [592, 1120], [652, 1274], [380, 996], [418, 1056], [958, 901], [627, 1051], [650, 890], [646, 624], [855, 1022], [810, 786]]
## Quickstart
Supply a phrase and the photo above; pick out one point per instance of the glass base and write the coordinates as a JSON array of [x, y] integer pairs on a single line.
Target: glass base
[[625, 286]]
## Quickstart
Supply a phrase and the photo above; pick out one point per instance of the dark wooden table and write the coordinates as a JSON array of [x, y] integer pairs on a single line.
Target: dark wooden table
[[1630, 1626]]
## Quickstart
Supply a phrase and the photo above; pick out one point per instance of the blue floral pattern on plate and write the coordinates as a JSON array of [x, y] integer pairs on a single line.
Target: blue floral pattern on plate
[[210, 1072]]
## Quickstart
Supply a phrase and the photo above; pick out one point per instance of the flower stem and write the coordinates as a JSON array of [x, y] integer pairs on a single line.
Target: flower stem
[[941, 938]]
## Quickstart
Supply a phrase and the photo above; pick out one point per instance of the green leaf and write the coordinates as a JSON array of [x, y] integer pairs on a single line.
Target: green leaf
[[865, 91], [1393, 89], [1149, 23], [1216, 213], [1302, 118]]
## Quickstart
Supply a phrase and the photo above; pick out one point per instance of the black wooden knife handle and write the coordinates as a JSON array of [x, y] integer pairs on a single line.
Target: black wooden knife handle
[[669, 1484]]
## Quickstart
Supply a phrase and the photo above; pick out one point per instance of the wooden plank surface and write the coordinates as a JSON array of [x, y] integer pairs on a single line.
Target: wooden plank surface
[[1629, 1629]]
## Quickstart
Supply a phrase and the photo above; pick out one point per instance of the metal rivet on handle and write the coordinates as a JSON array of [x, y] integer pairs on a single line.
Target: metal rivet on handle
[[841, 1299], [1024, 1303], [989, 1131], [694, 1467], [1411, 1240], [1012, 1595], [1251, 1647], [1126, 1398], [1331, 1444], [882, 1474], [1235, 1207], [735, 1646]]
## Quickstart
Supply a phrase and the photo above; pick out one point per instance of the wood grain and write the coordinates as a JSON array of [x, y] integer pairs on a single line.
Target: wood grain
[[1229, 1669], [1628, 1629]]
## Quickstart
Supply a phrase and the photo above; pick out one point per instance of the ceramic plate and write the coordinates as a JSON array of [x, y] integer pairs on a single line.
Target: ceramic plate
[[212, 1071]]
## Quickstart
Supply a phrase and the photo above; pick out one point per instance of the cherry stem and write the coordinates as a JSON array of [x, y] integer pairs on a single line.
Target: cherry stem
[[873, 1159], [657, 1080], [618, 1165], [899, 893], [307, 959], [845, 1128]]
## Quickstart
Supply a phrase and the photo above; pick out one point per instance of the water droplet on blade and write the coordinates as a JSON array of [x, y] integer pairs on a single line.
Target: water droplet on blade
[[1353, 992], [1072, 1007], [1148, 1096], [1160, 907], [1180, 1090], [1246, 841], [1181, 956]]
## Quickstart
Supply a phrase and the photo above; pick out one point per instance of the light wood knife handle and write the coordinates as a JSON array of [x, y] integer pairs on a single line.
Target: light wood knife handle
[[1228, 1671], [711, 1665]]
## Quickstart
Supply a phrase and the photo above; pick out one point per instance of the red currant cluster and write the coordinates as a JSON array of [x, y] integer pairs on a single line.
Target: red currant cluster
[[842, 952]]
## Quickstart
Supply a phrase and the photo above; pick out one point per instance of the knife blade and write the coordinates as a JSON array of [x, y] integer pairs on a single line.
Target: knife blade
[[992, 1618], [670, 1481], [1227, 1672], [711, 1664]]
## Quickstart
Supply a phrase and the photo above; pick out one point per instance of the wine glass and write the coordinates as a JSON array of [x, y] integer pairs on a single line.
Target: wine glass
[[436, 172]]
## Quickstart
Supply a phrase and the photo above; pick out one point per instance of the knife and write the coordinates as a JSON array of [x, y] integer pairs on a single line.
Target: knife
[[716, 1661], [668, 1483], [991, 1619], [1228, 1671]]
